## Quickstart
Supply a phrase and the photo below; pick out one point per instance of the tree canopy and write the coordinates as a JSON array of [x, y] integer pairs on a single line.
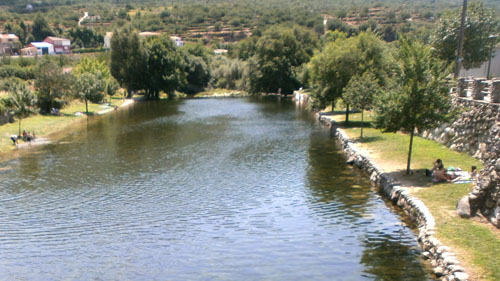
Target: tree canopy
[[278, 54], [480, 24], [419, 98]]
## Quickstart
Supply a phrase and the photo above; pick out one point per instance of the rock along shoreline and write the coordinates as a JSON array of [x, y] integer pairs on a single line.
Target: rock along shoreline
[[442, 259]]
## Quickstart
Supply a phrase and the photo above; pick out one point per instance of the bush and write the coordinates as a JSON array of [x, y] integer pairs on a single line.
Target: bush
[[25, 73], [88, 50]]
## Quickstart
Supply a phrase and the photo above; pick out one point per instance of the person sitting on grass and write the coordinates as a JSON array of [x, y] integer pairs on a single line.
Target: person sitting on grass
[[440, 174], [435, 167]]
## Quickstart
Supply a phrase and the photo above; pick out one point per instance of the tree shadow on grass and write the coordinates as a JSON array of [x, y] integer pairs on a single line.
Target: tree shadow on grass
[[332, 113], [416, 179], [368, 139]]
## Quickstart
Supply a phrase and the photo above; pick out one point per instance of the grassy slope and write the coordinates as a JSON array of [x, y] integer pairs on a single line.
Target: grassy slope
[[45, 125], [476, 243]]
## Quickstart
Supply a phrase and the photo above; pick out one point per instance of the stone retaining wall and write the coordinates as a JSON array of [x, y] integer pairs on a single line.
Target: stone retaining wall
[[444, 263], [477, 132]]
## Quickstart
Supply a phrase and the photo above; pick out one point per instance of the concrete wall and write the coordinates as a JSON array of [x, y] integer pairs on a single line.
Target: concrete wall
[[483, 70]]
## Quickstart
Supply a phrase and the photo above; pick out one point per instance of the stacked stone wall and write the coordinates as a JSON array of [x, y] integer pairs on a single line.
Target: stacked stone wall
[[444, 262], [477, 132]]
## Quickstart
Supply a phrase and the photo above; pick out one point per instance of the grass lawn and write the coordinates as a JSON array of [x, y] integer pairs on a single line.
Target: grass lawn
[[44, 125], [476, 243]]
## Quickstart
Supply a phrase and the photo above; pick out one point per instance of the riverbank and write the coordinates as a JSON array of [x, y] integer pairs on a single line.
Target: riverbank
[[475, 243], [48, 127]]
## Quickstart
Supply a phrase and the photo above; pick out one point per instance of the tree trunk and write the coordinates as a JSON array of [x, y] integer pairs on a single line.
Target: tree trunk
[[362, 123], [19, 126], [333, 105], [86, 107], [347, 114], [409, 152]]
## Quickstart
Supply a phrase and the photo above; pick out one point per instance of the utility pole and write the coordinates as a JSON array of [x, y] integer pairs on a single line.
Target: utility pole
[[458, 64]]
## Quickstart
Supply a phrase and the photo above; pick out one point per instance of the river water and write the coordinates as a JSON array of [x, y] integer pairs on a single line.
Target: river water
[[226, 189]]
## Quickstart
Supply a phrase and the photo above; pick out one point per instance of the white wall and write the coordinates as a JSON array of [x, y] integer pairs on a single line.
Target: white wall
[[483, 70]]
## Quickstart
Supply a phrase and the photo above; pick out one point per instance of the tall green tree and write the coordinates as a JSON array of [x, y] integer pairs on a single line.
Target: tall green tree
[[128, 60], [89, 86], [480, 24], [21, 102], [52, 85], [165, 67], [41, 28], [278, 55], [419, 98], [341, 59], [360, 92]]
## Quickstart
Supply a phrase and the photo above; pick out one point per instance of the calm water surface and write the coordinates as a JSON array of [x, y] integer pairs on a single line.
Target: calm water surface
[[234, 189]]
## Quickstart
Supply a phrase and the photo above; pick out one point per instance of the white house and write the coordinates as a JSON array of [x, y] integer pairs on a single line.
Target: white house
[[178, 41], [43, 48]]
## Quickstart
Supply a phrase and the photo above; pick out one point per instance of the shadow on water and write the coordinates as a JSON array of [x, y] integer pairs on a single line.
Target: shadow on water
[[331, 181], [389, 258]]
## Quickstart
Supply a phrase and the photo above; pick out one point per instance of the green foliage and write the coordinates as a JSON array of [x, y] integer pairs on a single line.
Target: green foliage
[[333, 67], [481, 22], [164, 70], [41, 28], [360, 93], [419, 98], [52, 86], [89, 87], [85, 38], [92, 66], [278, 55], [227, 73], [336, 24], [128, 59], [21, 102], [24, 73]]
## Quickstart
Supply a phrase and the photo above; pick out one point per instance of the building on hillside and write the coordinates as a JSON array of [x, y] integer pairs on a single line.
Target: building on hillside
[[107, 40], [220, 51], [29, 51], [43, 48], [9, 44], [177, 40], [61, 45], [482, 71], [149, 34]]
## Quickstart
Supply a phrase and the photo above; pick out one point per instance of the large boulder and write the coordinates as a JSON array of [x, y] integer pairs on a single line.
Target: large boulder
[[463, 208]]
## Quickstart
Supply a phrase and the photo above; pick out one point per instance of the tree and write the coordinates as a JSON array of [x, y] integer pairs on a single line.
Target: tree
[[89, 86], [41, 28], [165, 67], [278, 55], [340, 60], [51, 86], [480, 24], [331, 70], [111, 88], [196, 59], [360, 93], [21, 102], [419, 98], [128, 60]]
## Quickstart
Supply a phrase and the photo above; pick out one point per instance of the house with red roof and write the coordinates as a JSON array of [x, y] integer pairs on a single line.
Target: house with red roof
[[61, 45]]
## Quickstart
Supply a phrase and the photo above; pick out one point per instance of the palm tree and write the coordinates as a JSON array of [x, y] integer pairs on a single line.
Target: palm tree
[[21, 102]]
